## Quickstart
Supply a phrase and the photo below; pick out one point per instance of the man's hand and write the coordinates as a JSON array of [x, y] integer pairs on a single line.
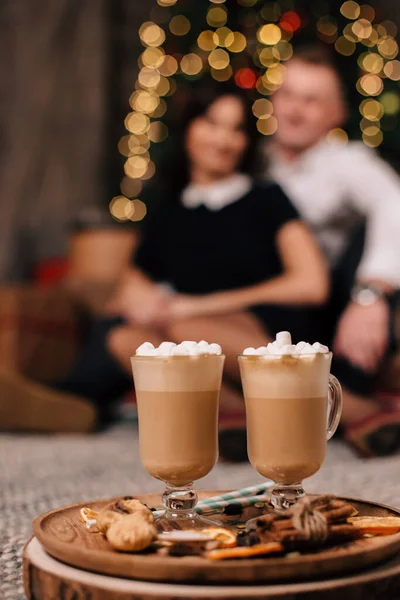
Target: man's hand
[[183, 306], [362, 334]]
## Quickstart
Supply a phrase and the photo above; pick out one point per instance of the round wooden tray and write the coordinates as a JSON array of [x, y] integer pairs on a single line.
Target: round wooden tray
[[45, 578], [64, 536]]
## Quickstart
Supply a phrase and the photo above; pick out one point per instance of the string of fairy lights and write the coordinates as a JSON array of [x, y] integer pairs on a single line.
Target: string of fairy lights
[[255, 59]]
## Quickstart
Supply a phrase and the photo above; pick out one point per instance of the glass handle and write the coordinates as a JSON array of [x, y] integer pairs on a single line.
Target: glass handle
[[335, 399]]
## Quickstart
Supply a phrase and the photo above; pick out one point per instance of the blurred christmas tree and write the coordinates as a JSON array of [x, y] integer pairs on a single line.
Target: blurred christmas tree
[[249, 41]]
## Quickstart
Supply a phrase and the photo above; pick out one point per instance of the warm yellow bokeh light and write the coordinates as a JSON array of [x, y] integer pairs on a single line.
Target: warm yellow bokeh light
[[163, 87], [144, 102], [262, 108], [121, 208], [390, 28], [350, 10], [373, 63], [136, 166], [371, 110], [166, 2], [388, 47], [338, 135], [392, 70], [390, 102], [362, 29], [151, 34], [269, 34], [284, 50], [130, 187], [148, 77], [138, 210], [239, 42], [222, 74], [191, 64], [179, 25], [218, 59], [137, 122], [349, 34], [373, 140], [138, 143], [153, 57], [169, 66], [206, 40], [327, 26], [267, 57], [151, 169], [224, 37], [370, 85], [345, 46], [158, 132], [217, 1], [367, 12], [267, 126], [160, 110], [275, 74], [217, 16]]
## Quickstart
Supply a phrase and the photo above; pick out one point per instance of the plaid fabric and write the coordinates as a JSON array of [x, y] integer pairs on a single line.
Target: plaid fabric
[[39, 331]]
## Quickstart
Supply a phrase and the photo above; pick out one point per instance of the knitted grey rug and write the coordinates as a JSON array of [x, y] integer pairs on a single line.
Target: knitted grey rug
[[39, 473]]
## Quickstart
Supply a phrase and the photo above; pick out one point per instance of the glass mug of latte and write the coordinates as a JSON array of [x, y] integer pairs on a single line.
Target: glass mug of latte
[[177, 390], [293, 406]]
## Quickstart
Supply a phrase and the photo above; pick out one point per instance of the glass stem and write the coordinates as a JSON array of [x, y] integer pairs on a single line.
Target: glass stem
[[284, 496], [179, 501]]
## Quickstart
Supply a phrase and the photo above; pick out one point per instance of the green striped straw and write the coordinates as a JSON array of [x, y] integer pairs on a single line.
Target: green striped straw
[[244, 497]]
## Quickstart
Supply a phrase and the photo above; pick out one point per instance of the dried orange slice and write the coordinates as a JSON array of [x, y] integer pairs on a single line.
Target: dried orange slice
[[376, 525], [245, 551], [88, 515], [225, 537]]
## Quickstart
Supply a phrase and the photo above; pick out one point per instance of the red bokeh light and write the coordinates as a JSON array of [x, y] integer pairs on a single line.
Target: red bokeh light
[[246, 78], [290, 21]]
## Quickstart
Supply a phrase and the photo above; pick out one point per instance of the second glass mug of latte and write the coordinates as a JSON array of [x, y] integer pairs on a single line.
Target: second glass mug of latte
[[177, 400], [293, 406]]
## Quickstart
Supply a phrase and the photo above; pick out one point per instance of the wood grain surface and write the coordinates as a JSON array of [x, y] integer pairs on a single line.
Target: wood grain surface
[[64, 536]]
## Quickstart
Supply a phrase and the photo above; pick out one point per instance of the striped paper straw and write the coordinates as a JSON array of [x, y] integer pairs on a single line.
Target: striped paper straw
[[249, 491]]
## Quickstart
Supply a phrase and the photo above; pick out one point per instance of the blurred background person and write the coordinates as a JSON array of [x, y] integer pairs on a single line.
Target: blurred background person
[[337, 188], [221, 258]]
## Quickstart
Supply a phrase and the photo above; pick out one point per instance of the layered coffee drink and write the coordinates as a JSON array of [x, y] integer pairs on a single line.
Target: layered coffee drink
[[286, 395], [177, 389]]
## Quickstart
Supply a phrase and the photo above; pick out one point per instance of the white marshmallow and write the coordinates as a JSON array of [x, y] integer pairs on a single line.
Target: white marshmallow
[[165, 349], [308, 349], [189, 344], [262, 350], [286, 350], [320, 347], [249, 351], [283, 338], [214, 349], [180, 350], [146, 349], [202, 347]]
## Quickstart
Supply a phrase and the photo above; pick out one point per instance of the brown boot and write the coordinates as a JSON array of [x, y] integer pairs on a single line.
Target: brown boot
[[29, 406]]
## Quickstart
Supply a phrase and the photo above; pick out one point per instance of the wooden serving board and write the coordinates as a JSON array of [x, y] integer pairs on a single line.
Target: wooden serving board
[[64, 536], [45, 578]]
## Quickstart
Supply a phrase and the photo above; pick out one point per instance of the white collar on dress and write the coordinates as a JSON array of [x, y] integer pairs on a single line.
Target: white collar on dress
[[217, 195]]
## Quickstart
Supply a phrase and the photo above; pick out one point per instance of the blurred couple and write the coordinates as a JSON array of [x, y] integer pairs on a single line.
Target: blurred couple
[[246, 243]]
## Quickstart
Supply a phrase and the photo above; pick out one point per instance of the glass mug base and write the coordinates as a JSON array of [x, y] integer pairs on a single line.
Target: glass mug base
[[179, 512]]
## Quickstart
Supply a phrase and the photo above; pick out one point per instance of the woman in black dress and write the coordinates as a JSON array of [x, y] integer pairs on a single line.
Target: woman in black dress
[[221, 259]]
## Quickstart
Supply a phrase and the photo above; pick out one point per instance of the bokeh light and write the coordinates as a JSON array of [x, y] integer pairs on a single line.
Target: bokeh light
[[158, 132], [275, 73], [350, 10], [138, 210], [362, 29], [224, 37], [163, 86], [245, 78], [160, 110], [191, 64], [239, 42], [218, 59], [388, 47], [130, 187], [327, 28], [267, 57], [137, 122], [372, 62], [390, 28], [390, 102], [222, 74], [217, 16], [290, 21], [148, 77], [151, 34], [166, 2], [136, 166], [283, 50], [372, 137], [338, 135], [367, 12], [121, 208], [371, 110], [179, 25], [153, 57], [370, 85], [150, 171], [271, 12], [267, 126], [262, 108], [392, 70], [345, 46], [269, 34], [206, 41], [144, 102], [169, 66]]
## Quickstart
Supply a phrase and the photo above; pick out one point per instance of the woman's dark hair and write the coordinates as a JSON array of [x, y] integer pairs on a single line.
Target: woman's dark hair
[[195, 103]]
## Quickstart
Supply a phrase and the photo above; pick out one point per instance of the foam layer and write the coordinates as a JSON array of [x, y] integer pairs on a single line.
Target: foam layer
[[186, 348], [282, 346]]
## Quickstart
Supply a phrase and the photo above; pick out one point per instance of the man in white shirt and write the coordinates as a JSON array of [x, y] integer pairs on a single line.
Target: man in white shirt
[[337, 187]]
